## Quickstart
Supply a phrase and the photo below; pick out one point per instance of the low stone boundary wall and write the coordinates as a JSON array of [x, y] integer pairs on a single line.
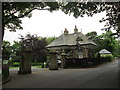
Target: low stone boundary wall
[[75, 62]]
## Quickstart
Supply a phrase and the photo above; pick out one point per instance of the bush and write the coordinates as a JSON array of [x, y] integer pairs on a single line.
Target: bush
[[103, 59], [15, 64], [108, 57], [36, 64], [39, 66]]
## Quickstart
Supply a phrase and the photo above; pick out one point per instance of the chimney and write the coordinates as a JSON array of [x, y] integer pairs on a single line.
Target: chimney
[[66, 32], [75, 30]]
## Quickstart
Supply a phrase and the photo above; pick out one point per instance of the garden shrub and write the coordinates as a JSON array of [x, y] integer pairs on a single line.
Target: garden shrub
[[108, 57], [39, 66], [15, 64], [36, 64], [102, 59]]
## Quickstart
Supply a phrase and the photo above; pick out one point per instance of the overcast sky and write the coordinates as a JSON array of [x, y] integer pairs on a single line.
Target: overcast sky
[[46, 24]]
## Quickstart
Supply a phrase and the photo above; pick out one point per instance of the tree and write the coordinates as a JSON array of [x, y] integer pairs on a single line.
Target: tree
[[118, 48], [6, 50], [91, 8], [13, 11], [91, 35], [106, 41], [50, 39], [39, 52], [16, 51]]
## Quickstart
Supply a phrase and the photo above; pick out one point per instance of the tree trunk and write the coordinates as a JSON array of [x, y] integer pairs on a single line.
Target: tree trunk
[[3, 25], [2, 32]]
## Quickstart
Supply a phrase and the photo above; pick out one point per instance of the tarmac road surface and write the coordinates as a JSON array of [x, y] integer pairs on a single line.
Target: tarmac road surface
[[103, 76]]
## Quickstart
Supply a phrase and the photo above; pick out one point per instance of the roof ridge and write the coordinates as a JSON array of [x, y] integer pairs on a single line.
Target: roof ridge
[[70, 39]]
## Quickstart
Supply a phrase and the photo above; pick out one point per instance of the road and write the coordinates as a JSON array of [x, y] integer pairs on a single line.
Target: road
[[104, 76]]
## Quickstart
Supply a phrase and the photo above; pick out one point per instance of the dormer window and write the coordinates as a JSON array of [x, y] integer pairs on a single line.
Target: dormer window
[[79, 39]]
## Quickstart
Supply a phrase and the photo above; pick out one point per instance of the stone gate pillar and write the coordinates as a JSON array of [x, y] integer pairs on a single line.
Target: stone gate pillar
[[63, 58], [53, 65], [25, 64]]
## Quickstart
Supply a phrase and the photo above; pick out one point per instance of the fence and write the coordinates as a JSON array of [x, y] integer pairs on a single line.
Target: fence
[[75, 62]]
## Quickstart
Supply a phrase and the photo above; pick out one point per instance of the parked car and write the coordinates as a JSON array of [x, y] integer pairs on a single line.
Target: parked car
[[59, 63]]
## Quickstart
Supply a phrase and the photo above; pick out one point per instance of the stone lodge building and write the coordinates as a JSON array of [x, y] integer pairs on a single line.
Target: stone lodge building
[[70, 46]]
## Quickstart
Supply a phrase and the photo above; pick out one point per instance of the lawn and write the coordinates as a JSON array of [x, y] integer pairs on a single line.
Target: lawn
[[18, 67]]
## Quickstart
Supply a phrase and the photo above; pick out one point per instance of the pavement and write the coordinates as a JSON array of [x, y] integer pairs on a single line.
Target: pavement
[[103, 76]]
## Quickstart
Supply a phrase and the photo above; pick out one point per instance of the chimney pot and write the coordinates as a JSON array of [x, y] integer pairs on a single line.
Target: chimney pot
[[75, 30], [66, 32]]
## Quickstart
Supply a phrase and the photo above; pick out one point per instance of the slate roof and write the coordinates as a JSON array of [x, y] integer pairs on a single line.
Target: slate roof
[[70, 40], [104, 51]]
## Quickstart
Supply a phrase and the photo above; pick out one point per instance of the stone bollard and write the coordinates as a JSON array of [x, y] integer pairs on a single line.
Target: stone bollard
[[25, 64], [4, 60], [63, 57], [53, 65], [5, 72]]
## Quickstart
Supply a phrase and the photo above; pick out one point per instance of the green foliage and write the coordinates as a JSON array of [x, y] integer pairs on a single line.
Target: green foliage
[[50, 39], [108, 42], [16, 51], [91, 8], [13, 11], [91, 35], [36, 64], [15, 64], [103, 59], [39, 52], [117, 47], [38, 45], [11, 67], [11, 52], [105, 41], [108, 57], [39, 66], [6, 50]]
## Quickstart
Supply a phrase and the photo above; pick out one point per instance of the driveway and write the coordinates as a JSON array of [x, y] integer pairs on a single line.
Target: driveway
[[103, 76]]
